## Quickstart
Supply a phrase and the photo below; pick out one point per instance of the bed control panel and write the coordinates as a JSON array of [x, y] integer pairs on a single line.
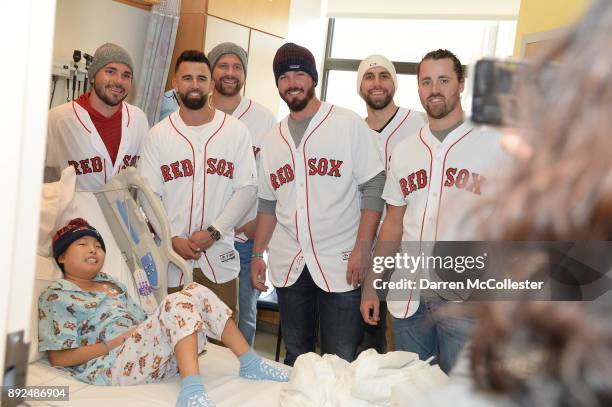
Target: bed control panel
[[149, 268]]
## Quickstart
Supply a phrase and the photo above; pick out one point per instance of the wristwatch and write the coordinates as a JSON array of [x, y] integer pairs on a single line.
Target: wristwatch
[[214, 233]]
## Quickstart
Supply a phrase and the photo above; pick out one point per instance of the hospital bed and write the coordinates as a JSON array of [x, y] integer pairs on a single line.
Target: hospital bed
[[218, 366], [137, 235]]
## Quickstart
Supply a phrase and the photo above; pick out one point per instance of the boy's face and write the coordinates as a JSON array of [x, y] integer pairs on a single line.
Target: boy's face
[[83, 258]]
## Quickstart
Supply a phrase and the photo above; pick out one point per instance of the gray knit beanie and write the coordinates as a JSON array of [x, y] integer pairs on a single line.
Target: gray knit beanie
[[228, 48], [107, 54]]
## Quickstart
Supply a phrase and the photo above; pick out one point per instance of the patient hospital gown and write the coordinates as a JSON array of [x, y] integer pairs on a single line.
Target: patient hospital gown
[[70, 317]]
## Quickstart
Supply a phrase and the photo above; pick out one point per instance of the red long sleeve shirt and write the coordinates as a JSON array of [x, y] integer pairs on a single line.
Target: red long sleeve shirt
[[108, 128]]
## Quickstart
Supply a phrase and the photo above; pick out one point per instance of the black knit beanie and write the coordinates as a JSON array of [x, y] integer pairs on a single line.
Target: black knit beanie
[[75, 229], [292, 57]]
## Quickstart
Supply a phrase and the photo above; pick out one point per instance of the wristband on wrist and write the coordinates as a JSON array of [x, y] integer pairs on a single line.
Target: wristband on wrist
[[257, 254]]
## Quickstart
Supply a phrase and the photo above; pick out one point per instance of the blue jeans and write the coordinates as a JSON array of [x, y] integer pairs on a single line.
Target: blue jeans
[[304, 306], [247, 295], [430, 333], [375, 336]]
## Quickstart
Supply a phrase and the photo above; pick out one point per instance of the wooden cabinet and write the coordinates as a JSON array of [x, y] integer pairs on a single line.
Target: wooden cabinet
[[269, 16], [259, 26]]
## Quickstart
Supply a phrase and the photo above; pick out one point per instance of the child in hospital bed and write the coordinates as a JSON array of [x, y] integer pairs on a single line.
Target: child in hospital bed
[[88, 324]]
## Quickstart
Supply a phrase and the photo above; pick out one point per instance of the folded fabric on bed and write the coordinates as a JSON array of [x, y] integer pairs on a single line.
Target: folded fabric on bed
[[366, 382]]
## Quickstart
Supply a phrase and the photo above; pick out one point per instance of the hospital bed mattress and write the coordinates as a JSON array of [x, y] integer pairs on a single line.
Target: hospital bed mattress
[[218, 366]]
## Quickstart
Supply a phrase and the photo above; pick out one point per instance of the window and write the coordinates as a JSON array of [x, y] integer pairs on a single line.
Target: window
[[404, 42]]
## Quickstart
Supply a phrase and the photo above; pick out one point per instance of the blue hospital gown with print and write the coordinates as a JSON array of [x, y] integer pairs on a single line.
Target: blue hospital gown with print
[[69, 318]]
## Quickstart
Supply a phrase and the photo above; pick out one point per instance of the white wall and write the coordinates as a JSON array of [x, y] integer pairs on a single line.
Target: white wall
[[260, 47], [260, 77], [308, 28], [87, 24], [486, 9]]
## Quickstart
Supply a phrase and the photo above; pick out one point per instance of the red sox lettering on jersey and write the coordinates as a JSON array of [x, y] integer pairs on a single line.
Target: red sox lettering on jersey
[[454, 177], [74, 141], [177, 169], [464, 179], [413, 182], [222, 167], [324, 166], [315, 185], [321, 166], [440, 183], [196, 173], [282, 176], [184, 168], [95, 164]]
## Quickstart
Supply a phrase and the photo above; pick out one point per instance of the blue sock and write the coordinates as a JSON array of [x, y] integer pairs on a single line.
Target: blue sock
[[193, 393], [255, 368]]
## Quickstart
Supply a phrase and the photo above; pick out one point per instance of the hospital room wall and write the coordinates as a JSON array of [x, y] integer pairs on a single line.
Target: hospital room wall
[[308, 28], [86, 24], [259, 26], [539, 16]]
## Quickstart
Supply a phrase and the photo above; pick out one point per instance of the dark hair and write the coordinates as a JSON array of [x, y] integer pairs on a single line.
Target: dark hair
[[192, 55], [443, 54], [544, 353]]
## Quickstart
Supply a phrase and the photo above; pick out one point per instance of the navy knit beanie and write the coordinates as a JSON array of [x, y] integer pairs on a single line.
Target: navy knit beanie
[[292, 57], [74, 230]]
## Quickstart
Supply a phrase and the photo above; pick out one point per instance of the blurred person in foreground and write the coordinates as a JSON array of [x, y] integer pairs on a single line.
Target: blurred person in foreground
[[553, 353]]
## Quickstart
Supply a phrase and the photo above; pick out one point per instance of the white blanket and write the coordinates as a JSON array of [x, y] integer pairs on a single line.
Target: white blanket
[[369, 381]]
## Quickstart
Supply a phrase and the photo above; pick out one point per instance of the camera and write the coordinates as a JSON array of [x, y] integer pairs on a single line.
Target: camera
[[494, 92], [495, 88]]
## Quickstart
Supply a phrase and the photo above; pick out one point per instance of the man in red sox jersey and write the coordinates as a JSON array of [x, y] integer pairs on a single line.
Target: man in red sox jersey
[[434, 178], [229, 70], [376, 84], [98, 134], [312, 217], [200, 161]]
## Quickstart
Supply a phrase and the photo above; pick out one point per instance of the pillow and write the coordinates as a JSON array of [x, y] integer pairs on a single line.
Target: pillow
[[56, 197], [47, 272]]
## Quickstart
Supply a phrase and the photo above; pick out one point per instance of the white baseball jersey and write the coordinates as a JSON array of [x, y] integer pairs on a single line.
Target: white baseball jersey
[[72, 139], [259, 120], [195, 172], [439, 183], [405, 123], [315, 186]]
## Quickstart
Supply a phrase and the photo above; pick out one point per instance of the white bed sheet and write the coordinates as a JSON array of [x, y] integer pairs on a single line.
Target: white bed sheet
[[218, 366]]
